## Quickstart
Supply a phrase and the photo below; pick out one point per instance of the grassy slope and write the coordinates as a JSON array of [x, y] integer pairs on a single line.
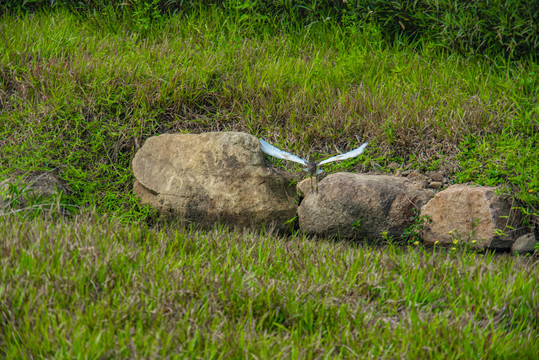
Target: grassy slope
[[93, 289], [83, 100]]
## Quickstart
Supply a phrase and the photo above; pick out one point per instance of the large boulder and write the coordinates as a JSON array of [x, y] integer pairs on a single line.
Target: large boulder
[[361, 206], [472, 214], [213, 177]]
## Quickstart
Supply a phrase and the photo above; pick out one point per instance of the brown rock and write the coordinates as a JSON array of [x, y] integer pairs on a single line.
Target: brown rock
[[418, 179], [435, 176], [435, 185], [305, 186], [405, 173], [360, 206], [213, 177], [467, 213]]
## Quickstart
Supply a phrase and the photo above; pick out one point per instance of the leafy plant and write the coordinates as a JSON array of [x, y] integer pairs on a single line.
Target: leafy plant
[[412, 233], [357, 225]]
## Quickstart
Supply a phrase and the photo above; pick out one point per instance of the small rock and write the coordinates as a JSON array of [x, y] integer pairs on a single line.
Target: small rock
[[525, 243], [306, 185], [473, 214], [41, 184], [435, 176], [437, 185], [419, 179]]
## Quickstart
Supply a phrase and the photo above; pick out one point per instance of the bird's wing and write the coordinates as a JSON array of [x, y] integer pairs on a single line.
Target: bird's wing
[[273, 151], [318, 171], [348, 155]]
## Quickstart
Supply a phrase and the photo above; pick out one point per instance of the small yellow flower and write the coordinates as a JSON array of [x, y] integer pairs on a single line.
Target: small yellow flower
[[474, 241], [530, 191], [453, 248], [450, 232], [455, 241], [436, 242], [416, 242]]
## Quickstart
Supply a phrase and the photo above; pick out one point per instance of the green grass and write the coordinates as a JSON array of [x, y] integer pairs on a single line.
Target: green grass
[[90, 288], [506, 29], [82, 97]]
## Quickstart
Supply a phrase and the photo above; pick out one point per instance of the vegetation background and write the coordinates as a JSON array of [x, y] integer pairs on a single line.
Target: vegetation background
[[433, 85]]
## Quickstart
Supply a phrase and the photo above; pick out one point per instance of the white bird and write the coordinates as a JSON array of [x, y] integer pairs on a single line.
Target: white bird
[[312, 167]]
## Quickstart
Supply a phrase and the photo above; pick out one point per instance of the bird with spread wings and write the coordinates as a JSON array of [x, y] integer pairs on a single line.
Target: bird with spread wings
[[311, 167]]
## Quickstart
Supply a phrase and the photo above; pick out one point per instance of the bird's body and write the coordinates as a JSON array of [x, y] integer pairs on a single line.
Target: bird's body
[[311, 167]]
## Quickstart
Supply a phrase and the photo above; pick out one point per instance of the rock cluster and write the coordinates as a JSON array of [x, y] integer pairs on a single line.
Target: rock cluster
[[222, 177]]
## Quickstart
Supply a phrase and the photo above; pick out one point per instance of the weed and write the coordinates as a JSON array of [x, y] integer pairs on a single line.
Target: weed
[[389, 239], [357, 225], [292, 223], [412, 233]]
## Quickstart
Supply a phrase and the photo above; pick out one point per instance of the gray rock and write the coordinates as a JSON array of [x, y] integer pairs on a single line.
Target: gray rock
[[306, 185], [525, 243], [213, 177], [32, 188], [361, 206], [472, 214]]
